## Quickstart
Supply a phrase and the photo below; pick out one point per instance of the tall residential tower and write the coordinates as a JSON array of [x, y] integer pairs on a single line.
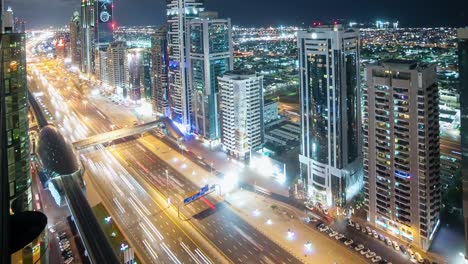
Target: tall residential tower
[[241, 112], [401, 150], [330, 155]]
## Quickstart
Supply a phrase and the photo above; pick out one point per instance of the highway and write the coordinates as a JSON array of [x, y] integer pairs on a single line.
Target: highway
[[146, 232], [239, 241]]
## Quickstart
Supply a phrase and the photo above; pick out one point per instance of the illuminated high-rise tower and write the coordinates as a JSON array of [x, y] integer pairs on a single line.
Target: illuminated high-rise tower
[[330, 156], [87, 36], [179, 13], [401, 150], [104, 21], [160, 72], [211, 55], [463, 65], [75, 41]]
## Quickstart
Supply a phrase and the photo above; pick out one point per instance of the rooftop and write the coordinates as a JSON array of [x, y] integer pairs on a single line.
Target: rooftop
[[56, 154], [462, 33]]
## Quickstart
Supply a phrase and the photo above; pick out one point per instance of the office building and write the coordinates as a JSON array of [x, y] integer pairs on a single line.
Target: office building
[[16, 193], [8, 20], [147, 81], [117, 67], [401, 150], [211, 55], [241, 112], [463, 69], [160, 72], [135, 68], [87, 36], [103, 36], [75, 41], [330, 158], [179, 13]]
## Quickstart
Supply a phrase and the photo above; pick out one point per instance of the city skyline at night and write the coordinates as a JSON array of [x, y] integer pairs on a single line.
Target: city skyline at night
[[245, 13], [209, 131]]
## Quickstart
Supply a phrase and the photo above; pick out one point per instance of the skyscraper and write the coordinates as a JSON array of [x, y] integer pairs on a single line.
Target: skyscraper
[[401, 150], [104, 21], [103, 36], [117, 67], [241, 112], [135, 68], [15, 178], [8, 20], [160, 71], [87, 36], [75, 41], [463, 68], [211, 55], [330, 156], [179, 13]]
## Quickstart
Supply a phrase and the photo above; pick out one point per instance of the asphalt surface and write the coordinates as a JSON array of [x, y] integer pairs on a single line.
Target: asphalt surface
[[146, 224], [238, 240], [379, 247]]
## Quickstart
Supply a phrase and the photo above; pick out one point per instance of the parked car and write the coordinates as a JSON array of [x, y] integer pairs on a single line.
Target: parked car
[[370, 255], [395, 245], [365, 251], [419, 258], [376, 259], [403, 249], [359, 247], [348, 242], [388, 241], [358, 227], [339, 236], [333, 233]]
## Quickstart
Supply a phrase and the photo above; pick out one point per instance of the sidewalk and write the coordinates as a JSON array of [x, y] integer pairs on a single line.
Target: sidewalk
[[322, 248]]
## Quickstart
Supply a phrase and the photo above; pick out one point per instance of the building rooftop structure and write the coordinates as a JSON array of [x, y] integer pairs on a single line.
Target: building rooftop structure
[[56, 154]]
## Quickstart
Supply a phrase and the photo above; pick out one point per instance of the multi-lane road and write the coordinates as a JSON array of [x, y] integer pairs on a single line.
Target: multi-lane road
[[239, 241], [144, 220]]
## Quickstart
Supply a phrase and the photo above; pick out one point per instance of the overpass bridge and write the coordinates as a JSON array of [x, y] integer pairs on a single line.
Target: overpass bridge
[[115, 134], [163, 123]]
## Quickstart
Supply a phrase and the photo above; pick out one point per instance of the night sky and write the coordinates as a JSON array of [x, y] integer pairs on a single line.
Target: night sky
[[417, 13]]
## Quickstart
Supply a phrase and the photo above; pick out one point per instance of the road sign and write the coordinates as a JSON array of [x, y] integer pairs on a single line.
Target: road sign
[[202, 192]]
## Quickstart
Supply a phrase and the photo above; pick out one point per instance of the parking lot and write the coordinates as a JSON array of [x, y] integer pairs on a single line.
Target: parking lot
[[390, 251]]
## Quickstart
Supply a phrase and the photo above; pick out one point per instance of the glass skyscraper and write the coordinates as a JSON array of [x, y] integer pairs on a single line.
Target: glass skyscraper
[[463, 67], [160, 71], [14, 100], [211, 55], [179, 13], [330, 156]]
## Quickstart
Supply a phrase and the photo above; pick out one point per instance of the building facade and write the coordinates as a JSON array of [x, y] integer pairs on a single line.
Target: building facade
[[117, 67], [401, 150], [75, 41], [179, 13], [330, 155], [463, 69], [211, 55], [87, 36], [15, 150], [241, 112], [135, 71], [270, 111], [160, 72]]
